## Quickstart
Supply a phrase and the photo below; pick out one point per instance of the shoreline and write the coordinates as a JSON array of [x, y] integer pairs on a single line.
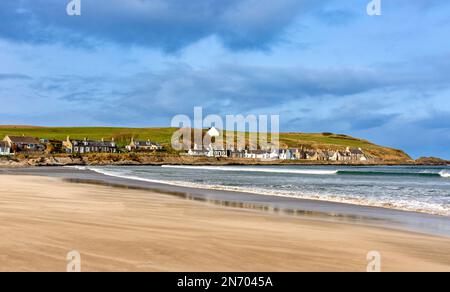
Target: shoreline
[[33, 164], [202, 189], [127, 159], [120, 229], [316, 209]]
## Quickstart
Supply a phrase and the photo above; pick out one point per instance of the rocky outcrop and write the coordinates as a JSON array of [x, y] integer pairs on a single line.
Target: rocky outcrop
[[45, 160], [432, 161]]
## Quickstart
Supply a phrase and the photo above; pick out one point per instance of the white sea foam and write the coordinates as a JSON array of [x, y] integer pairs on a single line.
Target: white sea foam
[[445, 174], [384, 202], [120, 174], [260, 169]]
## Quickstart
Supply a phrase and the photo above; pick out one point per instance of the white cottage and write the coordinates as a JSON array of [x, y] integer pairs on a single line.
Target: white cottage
[[213, 132], [285, 154], [274, 155], [4, 148]]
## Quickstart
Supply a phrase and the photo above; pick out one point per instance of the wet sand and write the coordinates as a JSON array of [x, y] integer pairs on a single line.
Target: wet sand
[[118, 229], [309, 209]]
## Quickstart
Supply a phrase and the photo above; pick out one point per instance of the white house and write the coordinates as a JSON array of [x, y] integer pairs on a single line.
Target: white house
[[274, 155], [4, 148], [356, 154], [333, 156], [143, 145], [285, 154], [210, 151], [23, 144], [348, 155], [213, 132], [89, 146]]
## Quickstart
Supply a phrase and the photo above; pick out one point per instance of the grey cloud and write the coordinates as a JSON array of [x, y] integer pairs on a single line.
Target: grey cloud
[[166, 24], [14, 77]]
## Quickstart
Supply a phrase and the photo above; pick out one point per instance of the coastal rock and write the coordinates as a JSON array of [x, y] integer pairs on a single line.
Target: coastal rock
[[146, 159]]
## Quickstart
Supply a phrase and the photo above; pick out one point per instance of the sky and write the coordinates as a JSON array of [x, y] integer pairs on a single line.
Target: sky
[[323, 66]]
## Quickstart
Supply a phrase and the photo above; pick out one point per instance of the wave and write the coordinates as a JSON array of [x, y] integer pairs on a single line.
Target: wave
[[249, 169], [120, 175], [389, 173], [443, 173], [389, 203]]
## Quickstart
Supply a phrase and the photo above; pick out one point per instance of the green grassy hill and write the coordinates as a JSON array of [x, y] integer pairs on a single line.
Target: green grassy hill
[[331, 141], [121, 135], [322, 141]]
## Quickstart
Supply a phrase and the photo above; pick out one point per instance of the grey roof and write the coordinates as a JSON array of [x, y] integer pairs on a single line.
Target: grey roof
[[145, 143], [356, 151], [24, 140], [94, 143]]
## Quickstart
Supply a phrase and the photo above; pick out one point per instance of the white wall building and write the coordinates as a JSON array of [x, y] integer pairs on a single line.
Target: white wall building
[[4, 148], [285, 154]]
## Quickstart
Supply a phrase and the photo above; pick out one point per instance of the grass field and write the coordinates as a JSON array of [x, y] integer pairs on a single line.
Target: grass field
[[163, 135], [121, 135]]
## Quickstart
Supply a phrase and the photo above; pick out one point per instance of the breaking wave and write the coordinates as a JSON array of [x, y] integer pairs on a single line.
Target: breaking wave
[[250, 169], [443, 173], [384, 202]]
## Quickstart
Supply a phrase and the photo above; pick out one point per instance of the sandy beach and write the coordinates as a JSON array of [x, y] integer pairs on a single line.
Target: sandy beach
[[116, 229]]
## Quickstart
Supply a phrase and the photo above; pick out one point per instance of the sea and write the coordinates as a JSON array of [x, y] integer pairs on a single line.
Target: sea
[[424, 189]]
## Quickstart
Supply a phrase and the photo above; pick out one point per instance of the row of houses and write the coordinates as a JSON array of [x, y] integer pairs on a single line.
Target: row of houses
[[217, 150], [350, 154], [14, 144], [25, 144]]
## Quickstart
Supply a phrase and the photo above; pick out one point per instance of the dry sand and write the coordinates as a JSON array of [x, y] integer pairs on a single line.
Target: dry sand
[[42, 219]]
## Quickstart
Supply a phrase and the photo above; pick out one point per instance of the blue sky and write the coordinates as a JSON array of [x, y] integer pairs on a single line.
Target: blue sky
[[324, 66]]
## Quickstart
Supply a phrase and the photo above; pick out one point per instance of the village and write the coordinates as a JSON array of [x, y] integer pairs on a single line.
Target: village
[[217, 150], [12, 145], [349, 154], [16, 145]]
